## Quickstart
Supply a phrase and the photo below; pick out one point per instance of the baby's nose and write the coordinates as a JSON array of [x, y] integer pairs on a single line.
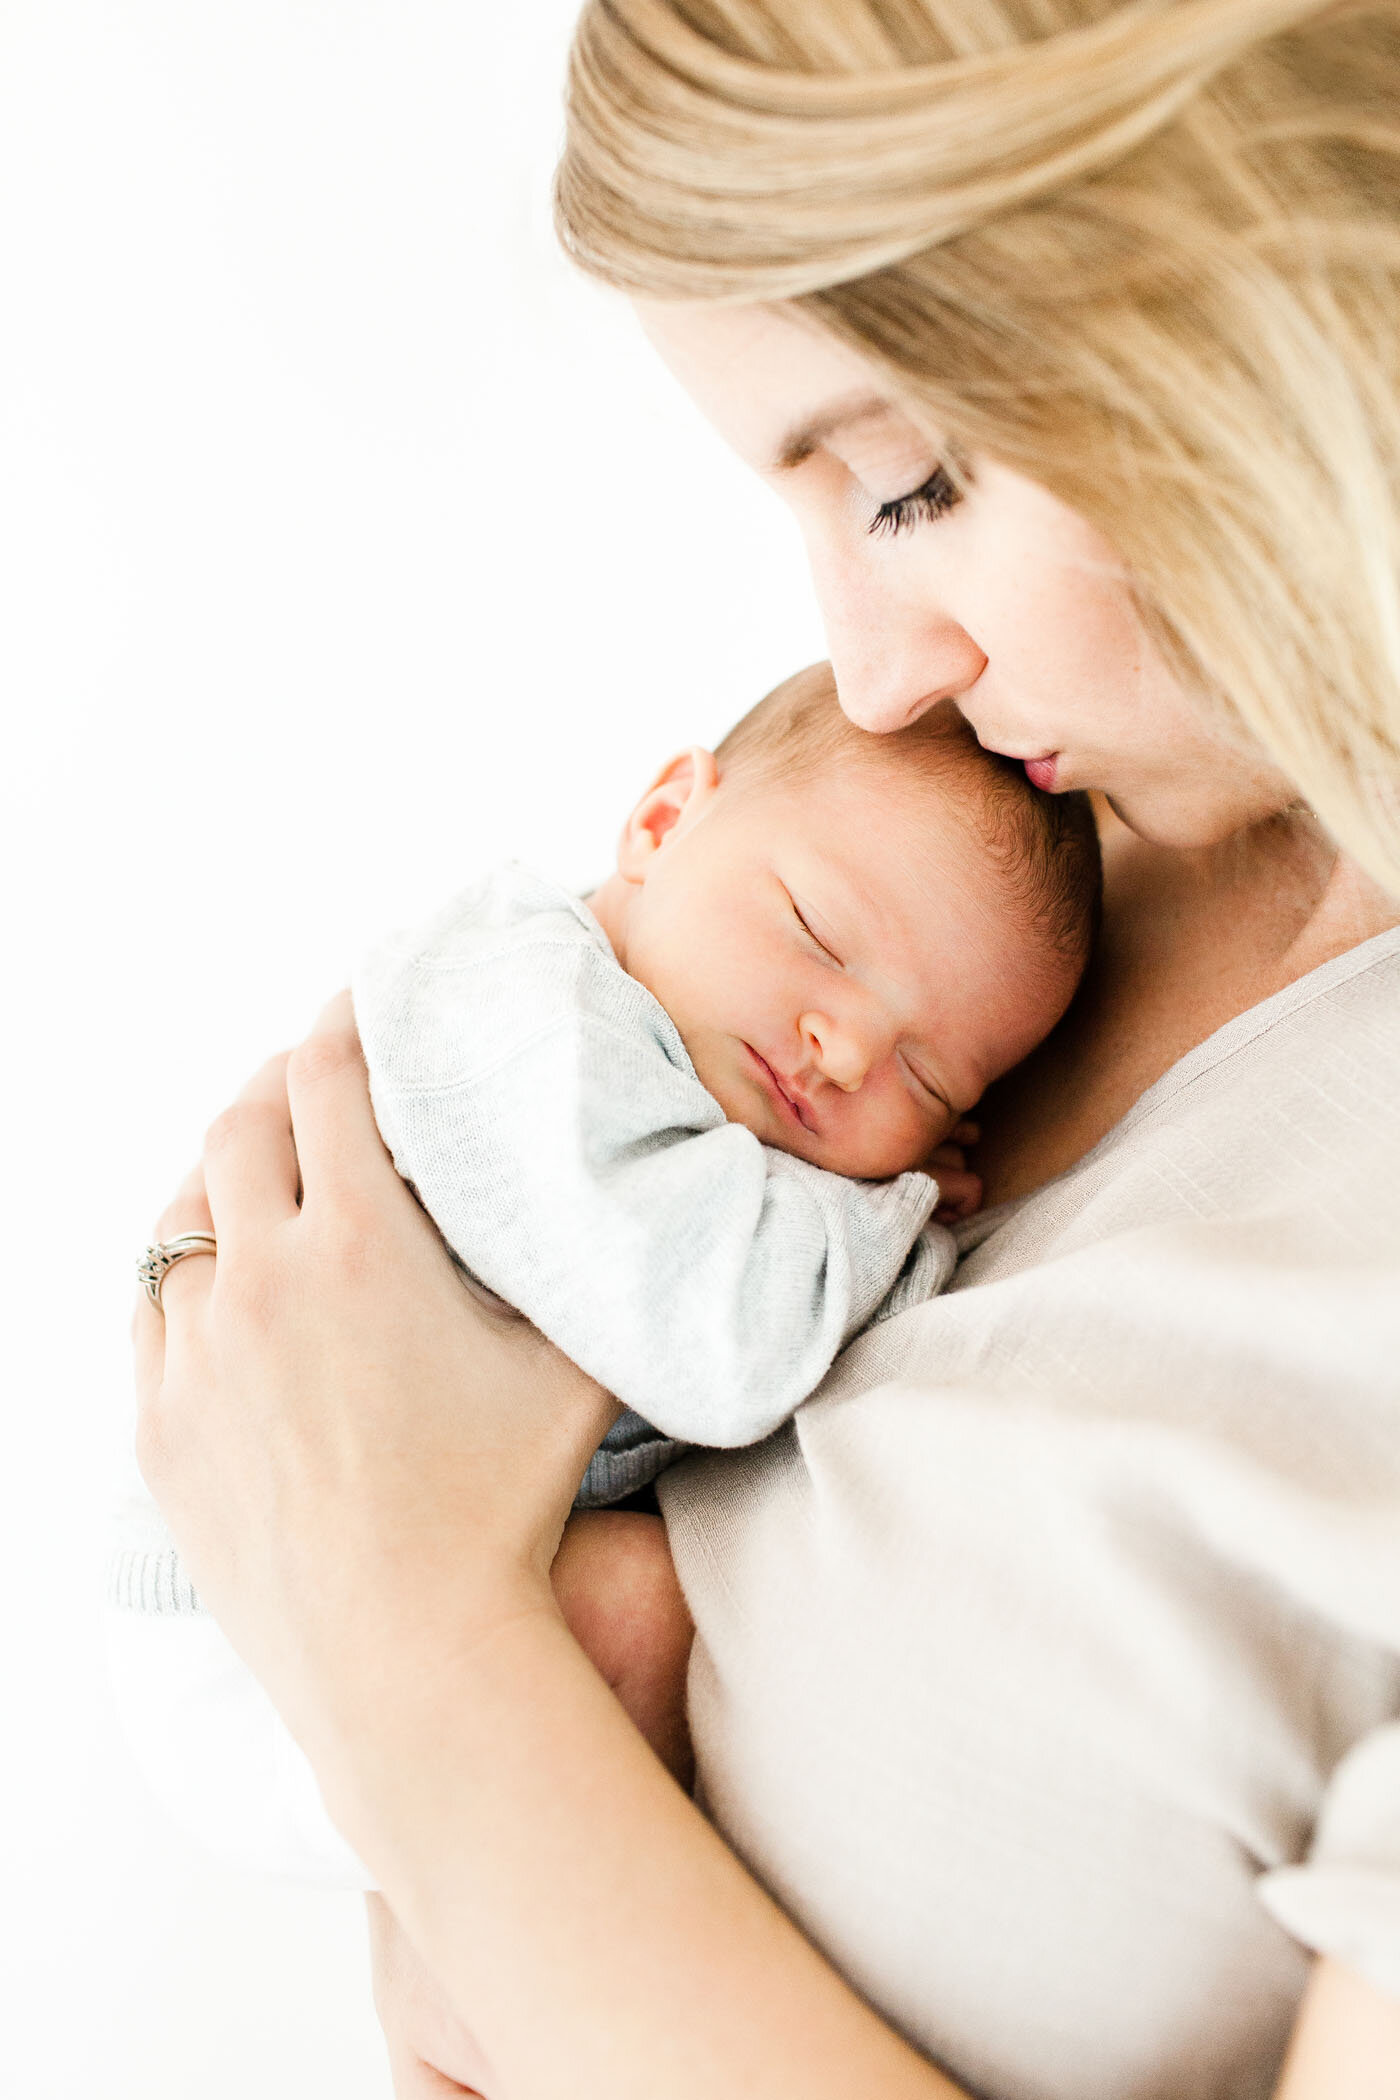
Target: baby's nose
[[840, 1053]]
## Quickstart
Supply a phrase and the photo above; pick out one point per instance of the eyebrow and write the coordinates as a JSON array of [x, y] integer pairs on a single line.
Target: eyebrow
[[803, 439]]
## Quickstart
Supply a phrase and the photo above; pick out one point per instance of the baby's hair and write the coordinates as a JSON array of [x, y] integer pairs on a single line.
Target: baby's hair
[[1044, 847]]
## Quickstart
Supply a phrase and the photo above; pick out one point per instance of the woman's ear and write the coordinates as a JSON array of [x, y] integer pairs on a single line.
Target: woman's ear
[[674, 800]]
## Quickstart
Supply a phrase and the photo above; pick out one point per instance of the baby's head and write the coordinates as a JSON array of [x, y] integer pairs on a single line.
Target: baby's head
[[854, 934]]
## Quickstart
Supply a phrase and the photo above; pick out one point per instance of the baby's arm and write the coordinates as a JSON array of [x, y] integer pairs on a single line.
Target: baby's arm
[[617, 1588]]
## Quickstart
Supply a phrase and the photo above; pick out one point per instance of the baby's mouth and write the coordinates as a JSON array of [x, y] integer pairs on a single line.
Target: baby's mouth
[[789, 1099]]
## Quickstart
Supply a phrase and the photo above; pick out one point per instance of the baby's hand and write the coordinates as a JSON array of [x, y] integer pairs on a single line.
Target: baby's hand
[[959, 1189]]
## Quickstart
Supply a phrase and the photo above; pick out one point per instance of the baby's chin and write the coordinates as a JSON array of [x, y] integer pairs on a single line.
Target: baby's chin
[[859, 1165], [865, 1166]]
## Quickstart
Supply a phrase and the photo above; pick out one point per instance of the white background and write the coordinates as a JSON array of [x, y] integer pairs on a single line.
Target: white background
[[347, 544]]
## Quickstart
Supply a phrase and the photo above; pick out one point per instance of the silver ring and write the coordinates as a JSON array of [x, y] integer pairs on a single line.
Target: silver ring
[[157, 1261]]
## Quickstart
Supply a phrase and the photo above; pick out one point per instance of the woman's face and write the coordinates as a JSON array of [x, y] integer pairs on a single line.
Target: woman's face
[[1002, 599]]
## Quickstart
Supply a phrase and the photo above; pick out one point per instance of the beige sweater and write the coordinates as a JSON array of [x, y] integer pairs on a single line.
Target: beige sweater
[[1048, 1665]]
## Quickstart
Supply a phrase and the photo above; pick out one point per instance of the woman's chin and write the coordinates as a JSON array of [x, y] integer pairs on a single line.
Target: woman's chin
[[1194, 822]]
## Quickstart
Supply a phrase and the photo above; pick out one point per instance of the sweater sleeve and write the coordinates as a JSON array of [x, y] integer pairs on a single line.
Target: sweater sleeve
[[1344, 1898], [544, 1108]]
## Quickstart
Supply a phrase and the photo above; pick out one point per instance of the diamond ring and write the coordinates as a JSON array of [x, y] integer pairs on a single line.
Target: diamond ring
[[157, 1261]]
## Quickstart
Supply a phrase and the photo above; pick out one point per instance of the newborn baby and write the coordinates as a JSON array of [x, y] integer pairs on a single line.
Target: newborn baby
[[685, 1127]]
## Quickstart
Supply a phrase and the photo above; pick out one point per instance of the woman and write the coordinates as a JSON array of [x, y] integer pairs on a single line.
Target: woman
[[1048, 1670]]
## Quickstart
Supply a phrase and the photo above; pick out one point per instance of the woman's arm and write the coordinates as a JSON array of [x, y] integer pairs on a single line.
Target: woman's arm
[[721, 1990], [541, 1857], [1346, 2044], [431, 2050], [369, 1477]]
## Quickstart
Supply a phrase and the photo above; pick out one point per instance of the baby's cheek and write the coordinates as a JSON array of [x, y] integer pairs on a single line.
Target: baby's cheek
[[889, 1135]]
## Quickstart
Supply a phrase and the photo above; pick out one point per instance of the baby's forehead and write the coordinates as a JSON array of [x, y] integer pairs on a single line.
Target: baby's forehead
[[890, 850], [883, 859], [864, 807], [924, 820]]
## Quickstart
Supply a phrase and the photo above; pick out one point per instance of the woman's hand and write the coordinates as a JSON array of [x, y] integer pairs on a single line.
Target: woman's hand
[[341, 1438]]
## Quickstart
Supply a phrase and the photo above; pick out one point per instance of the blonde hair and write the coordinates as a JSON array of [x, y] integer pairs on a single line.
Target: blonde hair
[[1146, 254], [1043, 850]]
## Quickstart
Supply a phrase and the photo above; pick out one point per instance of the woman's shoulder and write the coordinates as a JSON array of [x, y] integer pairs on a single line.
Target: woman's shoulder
[[1291, 1107], [1342, 1014]]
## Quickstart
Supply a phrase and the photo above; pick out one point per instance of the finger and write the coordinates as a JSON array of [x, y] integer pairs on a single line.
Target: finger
[[250, 1161], [158, 1331], [337, 1138], [187, 1210], [184, 1292], [147, 1347], [960, 1182], [959, 1195], [948, 1155], [966, 1133]]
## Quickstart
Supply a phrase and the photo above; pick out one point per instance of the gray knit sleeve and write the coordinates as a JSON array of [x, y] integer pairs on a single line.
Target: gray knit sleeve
[[542, 1104]]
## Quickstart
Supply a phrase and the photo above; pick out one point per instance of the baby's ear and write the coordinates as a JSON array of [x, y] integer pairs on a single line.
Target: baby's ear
[[674, 800]]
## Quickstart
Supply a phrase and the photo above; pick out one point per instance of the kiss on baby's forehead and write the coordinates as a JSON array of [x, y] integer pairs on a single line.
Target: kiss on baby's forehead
[[853, 935], [1045, 848]]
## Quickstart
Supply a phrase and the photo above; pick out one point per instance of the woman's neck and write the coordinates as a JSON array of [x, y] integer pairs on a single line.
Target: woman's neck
[[1190, 940]]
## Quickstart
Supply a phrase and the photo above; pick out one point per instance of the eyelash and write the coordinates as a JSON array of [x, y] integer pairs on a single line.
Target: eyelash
[[929, 1091], [814, 938], [921, 506]]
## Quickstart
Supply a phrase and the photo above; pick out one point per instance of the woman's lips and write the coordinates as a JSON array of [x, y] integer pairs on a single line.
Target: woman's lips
[[1040, 771], [791, 1105]]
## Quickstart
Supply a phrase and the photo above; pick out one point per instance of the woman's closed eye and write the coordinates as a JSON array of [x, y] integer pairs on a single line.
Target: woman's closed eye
[[921, 506]]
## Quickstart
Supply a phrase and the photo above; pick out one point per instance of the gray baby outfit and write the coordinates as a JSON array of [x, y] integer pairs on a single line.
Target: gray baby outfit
[[543, 1106]]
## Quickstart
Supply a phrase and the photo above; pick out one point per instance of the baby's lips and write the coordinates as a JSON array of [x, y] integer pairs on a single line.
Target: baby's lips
[[791, 1093]]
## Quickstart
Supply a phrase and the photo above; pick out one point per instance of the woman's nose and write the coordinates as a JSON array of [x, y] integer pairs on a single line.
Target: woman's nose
[[893, 658]]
